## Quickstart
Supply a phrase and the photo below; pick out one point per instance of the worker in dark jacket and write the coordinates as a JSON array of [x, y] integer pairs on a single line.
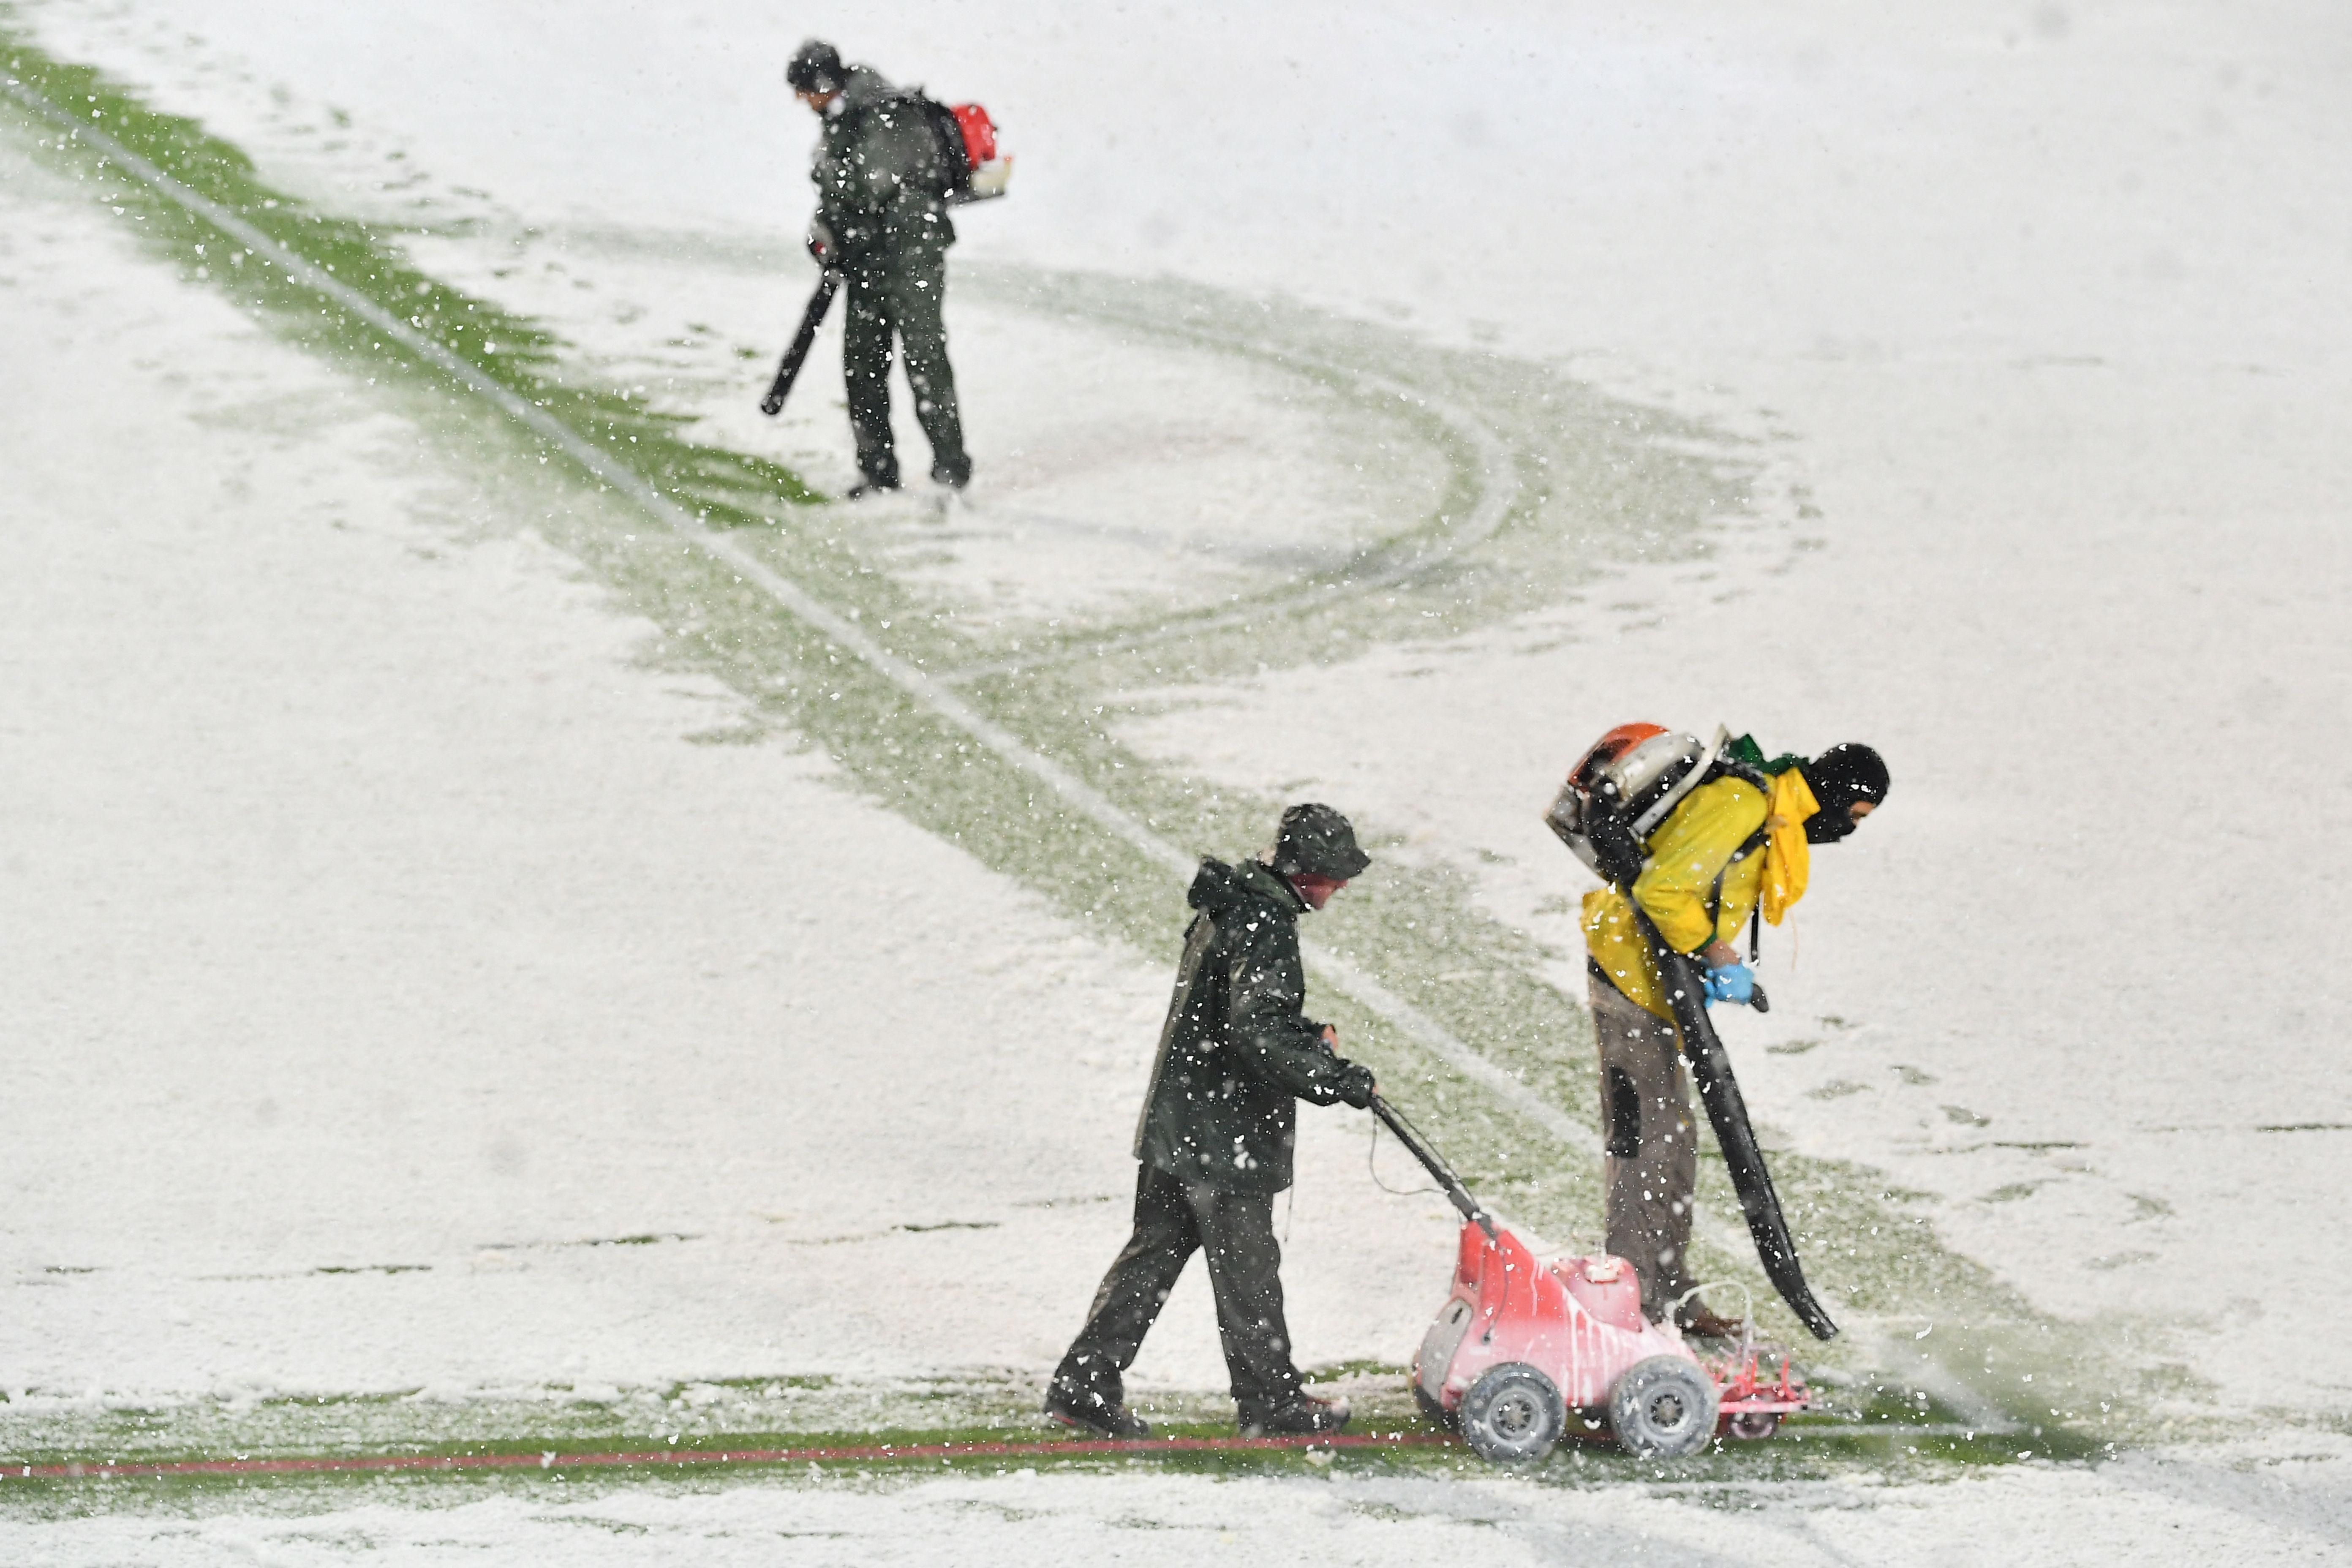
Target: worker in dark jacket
[[1236, 1054], [882, 223]]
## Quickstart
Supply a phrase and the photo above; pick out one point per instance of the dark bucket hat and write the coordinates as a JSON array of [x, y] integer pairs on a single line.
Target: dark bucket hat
[[1319, 841]]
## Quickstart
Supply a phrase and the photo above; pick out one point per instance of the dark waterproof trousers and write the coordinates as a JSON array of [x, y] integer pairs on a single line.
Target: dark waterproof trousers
[[901, 295], [1173, 1219]]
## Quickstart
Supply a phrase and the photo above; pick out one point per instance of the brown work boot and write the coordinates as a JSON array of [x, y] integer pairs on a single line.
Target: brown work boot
[[1699, 1320]]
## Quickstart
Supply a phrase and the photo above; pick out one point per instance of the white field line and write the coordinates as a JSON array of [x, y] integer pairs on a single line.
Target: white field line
[[1075, 792]]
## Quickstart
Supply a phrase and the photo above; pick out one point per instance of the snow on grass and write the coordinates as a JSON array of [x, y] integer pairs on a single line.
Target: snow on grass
[[1347, 1512], [1626, 471], [411, 1009], [2038, 379]]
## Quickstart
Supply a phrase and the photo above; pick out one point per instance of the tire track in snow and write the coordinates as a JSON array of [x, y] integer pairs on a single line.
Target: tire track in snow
[[1492, 459]]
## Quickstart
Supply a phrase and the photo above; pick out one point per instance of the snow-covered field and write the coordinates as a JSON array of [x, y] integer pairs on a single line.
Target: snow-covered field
[[429, 991]]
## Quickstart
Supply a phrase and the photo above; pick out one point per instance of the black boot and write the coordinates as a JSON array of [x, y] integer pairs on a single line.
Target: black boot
[[1306, 1416], [1083, 1410]]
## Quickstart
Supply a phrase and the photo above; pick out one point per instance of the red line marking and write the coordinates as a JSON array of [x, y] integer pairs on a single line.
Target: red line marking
[[365, 1463]]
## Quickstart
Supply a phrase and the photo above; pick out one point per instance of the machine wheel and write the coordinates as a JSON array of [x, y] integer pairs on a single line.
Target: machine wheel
[[1662, 1408], [1513, 1415], [1436, 1414], [1751, 1425]]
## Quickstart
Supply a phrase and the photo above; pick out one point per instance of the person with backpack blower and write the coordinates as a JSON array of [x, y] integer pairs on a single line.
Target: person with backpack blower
[[883, 179], [1236, 1055], [1725, 844]]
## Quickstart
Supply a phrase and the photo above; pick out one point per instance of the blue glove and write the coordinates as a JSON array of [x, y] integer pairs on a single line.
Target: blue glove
[[1732, 983]]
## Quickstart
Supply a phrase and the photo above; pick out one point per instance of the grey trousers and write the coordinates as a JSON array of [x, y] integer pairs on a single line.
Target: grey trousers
[[1652, 1169]]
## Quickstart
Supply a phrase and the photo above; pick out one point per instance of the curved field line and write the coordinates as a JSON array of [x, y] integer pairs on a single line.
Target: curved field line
[[1491, 464]]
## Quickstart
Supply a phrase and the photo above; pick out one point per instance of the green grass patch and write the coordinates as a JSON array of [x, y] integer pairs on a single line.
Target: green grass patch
[[729, 488]]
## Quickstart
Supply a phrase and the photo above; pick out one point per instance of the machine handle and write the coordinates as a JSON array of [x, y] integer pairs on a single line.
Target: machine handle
[[1434, 1163]]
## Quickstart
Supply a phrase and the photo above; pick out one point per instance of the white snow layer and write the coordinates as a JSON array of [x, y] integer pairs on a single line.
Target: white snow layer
[[2045, 304], [380, 950], [2127, 1515]]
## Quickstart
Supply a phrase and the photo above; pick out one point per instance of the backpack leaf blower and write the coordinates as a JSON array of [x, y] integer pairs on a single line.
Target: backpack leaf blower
[[1618, 792], [811, 320], [975, 170], [1726, 1109], [971, 169]]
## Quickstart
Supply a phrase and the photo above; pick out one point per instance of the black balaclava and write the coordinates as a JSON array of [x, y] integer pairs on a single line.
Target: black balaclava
[[1838, 777]]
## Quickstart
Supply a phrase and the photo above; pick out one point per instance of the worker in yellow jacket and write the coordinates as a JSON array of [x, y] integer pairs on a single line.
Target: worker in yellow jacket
[[1731, 844]]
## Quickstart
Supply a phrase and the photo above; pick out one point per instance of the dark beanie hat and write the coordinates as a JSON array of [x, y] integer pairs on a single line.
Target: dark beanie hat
[[1319, 841], [1844, 774], [816, 68]]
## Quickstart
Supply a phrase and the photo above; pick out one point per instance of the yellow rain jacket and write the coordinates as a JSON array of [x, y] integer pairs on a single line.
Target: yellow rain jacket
[[1690, 851]]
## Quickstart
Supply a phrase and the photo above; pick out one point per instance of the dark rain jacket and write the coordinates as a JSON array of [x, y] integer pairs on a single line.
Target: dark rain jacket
[[1237, 1051], [880, 174]]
